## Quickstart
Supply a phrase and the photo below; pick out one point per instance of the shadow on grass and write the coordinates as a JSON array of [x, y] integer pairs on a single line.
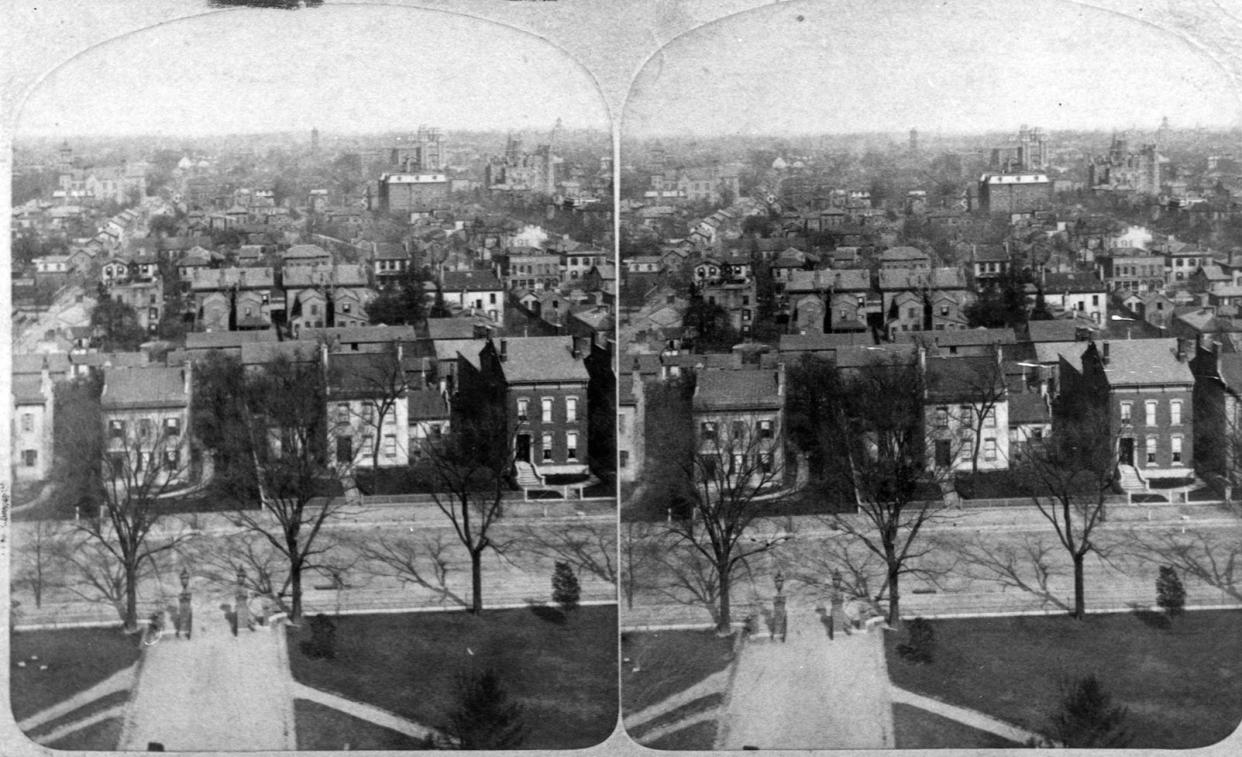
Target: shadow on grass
[[549, 614], [1152, 618]]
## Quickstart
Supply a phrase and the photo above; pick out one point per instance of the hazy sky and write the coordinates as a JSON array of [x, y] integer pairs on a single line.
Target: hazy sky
[[340, 69], [963, 66]]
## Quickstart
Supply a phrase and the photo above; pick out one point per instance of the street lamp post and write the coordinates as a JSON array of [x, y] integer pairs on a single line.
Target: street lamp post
[[779, 620], [185, 607]]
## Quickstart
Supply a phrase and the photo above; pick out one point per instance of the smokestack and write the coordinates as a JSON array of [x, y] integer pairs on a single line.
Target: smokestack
[[504, 349], [1104, 357]]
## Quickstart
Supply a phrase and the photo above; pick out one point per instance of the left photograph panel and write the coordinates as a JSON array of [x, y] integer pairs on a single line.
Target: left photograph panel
[[313, 401]]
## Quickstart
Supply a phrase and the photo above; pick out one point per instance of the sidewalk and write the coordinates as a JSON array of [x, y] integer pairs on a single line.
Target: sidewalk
[[809, 692], [216, 692]]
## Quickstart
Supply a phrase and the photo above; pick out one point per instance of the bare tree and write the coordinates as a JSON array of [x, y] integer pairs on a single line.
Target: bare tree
[[878, 442], [265, 571], [292, 474], [40, 554], [973, 387], [1069, 477], [738, 460], [470, 469], [373, 385], [138, 469]]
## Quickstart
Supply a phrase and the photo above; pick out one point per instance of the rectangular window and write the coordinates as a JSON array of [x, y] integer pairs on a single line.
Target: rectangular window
[[390, 445], [989, 419], [172, 426], [571, 409], [765, 462], [30, 457], [967, 415], [546, 409], [942, 417], [625, 459], [765, 429], [144, 428], [1150, 407], [27, 421], [436, 430], [523, 405], [546, 444], [1177, 449], [1151, 450], [707, 431], [172, 458], [738, 430], [1126, 410], [620, 423], [571, 445], [116, 429], [368, 412], [342, 413], [1175, 412], [989, 449]]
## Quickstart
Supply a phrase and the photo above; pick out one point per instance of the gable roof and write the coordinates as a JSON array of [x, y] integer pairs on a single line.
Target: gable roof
[[737, 390], [541, 359], [144, 386], [1137, 362], [470, 281]]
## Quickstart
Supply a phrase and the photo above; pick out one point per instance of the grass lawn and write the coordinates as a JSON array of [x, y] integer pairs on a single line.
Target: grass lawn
[[699, 736], [81, 713], [323, 728], [914, 728], [563, 673], [77, 658], [668, 662], [103, 736], [1182, 685]]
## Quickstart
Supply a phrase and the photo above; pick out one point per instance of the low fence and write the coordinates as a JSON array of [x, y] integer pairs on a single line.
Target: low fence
[[1110, 500]]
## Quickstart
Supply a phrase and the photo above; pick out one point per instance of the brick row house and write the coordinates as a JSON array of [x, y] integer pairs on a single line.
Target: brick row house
[[1149, 387]]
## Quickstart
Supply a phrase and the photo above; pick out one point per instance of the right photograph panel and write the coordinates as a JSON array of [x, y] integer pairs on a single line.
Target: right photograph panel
[[929, 381]]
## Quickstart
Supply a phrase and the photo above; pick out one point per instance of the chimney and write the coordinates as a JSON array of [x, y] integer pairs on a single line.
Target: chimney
[[1181, 350], [504, 349], [780, 379], [1104, 356]]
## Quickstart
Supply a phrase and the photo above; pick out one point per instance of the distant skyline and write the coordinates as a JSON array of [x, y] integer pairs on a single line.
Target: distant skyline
[[802, 68], [342, 69]]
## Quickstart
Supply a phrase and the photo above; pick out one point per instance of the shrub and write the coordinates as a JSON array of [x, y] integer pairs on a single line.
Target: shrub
[[322, 643], [1086, 717], [920, 644], [484, 718], [1170, 594], [565, 589]]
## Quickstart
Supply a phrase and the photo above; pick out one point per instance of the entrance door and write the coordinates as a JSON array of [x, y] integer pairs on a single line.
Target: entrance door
[[522, 451], [1126, 453], [944, 456]]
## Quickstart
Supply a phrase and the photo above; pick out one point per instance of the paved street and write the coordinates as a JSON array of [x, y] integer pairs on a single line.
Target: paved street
[[954, 584], [532, 544]]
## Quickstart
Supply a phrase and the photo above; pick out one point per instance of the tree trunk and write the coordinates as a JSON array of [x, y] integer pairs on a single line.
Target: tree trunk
[[295, 592], [1080, 610], [476, 581], [894, 596], [131, 598], [724, 623]]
